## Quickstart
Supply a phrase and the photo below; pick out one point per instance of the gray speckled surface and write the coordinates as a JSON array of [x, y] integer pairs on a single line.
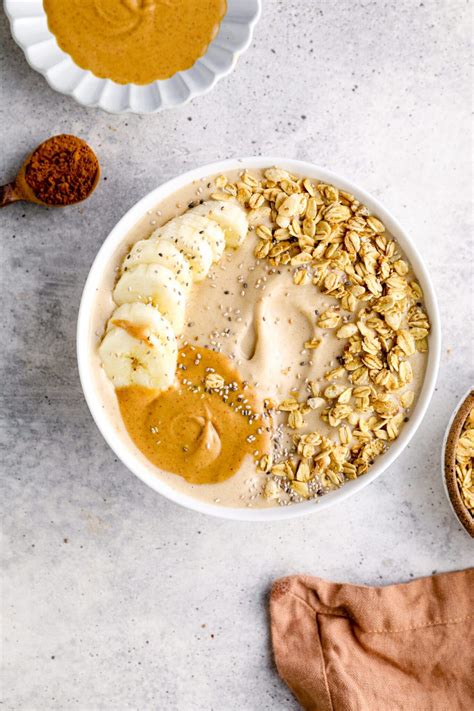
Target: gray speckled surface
[[114, 598]]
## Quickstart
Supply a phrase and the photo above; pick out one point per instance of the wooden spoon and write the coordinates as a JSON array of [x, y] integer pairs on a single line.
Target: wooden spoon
[[19, 189]]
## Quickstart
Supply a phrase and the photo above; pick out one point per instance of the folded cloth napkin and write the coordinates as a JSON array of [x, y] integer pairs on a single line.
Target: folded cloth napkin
[[407, 647]]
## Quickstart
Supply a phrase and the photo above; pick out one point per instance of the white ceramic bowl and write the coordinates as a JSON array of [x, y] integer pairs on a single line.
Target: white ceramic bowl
[[125, 451], [29, 28]]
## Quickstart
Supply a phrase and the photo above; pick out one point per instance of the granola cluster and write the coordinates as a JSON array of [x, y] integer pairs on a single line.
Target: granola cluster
[[465, 461], [329, 238]]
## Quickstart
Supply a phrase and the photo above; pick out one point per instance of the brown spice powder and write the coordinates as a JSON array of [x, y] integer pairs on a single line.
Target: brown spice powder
[[62, 170]]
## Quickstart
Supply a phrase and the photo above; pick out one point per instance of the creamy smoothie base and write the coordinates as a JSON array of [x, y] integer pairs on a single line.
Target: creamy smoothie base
[[282, 334]]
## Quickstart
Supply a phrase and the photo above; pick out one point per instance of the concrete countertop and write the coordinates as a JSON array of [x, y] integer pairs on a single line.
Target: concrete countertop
[[114, 598]]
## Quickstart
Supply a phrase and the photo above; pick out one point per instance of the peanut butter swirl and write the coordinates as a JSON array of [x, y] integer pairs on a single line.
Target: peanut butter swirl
[[202, 428]]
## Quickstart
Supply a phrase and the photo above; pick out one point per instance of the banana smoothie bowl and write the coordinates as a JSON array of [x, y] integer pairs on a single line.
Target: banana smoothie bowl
[[258, 339]]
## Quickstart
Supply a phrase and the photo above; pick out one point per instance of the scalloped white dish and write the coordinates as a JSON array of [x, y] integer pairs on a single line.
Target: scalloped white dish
[[29, 28]]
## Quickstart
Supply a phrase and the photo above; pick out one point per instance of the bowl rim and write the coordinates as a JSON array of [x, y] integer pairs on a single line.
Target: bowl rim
[[448, 474], [193, 92], [123, 451]]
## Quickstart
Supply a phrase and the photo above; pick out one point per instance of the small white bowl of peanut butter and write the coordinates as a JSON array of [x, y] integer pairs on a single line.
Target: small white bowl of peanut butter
[[258, 339], [133, 56]]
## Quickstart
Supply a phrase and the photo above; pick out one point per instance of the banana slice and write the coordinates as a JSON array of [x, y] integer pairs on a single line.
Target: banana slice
[[153, 284], [209, 231], [148, 251], [132, 361], [229, 216], [189, 242], [141, 321]]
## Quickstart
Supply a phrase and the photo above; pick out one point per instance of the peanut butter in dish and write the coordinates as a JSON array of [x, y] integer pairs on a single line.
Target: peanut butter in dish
[[135, 41], [203, 427]]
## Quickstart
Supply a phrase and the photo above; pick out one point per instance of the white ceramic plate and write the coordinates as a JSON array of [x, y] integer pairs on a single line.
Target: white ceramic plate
[[29, 28], [125, 451]]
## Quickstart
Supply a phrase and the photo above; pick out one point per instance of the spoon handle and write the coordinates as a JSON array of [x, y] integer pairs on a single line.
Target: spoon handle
[[9, 194]]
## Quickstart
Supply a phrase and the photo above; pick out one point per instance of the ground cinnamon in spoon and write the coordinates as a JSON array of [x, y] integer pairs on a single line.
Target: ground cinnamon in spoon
[[62, 170]]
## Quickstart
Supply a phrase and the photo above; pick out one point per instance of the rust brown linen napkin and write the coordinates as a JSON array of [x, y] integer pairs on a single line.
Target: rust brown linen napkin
[[407, 647]]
